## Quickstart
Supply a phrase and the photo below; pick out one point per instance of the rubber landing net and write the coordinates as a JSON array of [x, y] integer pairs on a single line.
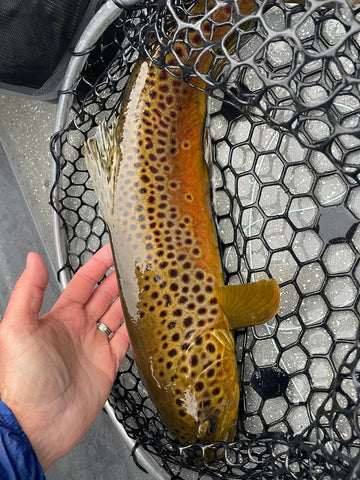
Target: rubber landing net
[[284, 119]]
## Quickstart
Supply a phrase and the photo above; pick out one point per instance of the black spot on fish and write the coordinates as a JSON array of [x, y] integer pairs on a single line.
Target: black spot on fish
[[187, 321], [194, 360], [145, 178], [199, 386]]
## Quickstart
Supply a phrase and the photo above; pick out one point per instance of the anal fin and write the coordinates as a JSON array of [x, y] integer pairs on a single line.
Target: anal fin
[[249, 304]]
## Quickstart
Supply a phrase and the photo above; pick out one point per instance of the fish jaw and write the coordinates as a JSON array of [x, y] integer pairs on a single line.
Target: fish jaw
[[200, 403], [220, 401], [220, 424]]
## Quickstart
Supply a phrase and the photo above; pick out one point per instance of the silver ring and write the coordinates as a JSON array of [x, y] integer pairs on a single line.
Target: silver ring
[[105, 329]]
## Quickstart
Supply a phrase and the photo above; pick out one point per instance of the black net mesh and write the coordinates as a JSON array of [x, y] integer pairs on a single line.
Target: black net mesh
[[286, 204]]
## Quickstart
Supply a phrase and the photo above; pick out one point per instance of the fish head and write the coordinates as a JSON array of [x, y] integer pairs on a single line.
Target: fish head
[[208, 405]]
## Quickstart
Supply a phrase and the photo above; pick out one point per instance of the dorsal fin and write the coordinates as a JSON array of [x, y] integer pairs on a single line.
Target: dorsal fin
[[102, 158]]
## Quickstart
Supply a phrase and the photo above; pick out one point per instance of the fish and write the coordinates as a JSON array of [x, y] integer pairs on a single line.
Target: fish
[[149, 169]]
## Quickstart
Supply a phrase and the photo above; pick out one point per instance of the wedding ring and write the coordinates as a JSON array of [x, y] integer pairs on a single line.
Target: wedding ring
[[105, 329]]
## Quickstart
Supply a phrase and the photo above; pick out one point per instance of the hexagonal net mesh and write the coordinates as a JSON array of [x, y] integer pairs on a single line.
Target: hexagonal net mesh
[[286, 204]]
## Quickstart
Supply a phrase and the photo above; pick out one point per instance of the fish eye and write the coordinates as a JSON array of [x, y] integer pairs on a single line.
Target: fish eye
[[211, 427]]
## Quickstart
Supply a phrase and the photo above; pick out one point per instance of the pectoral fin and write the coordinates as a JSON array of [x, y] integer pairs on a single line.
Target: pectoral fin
[[249, 304]]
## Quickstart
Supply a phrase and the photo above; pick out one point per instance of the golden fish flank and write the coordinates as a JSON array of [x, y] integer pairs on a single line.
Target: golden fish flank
[[152, 184]]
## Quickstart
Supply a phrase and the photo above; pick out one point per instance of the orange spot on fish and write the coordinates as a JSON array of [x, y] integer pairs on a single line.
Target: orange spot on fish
[[185, 144]]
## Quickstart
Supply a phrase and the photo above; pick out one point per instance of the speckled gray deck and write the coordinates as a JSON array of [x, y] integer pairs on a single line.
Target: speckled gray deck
[[18, 236], [25, 129]]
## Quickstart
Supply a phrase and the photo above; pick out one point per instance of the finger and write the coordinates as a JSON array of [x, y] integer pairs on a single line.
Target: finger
[[114, 315], [120, 344], [28, 294], [102, 297], [83, 283]]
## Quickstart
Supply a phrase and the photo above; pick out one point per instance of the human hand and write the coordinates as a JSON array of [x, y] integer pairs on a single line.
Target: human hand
[[56, 371]]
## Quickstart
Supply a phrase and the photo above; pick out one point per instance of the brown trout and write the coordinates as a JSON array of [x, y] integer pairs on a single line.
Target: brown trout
[[151, 179]]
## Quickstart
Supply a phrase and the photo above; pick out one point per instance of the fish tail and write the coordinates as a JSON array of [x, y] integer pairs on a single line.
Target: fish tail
[[102, 158]]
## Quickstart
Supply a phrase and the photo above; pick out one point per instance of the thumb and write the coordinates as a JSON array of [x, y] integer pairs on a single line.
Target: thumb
[[28, 294]]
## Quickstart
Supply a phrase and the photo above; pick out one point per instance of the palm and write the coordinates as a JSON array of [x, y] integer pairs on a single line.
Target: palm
[[57, 372]]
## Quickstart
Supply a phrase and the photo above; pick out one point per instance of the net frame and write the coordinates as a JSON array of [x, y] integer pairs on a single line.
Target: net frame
[[328, 446]]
